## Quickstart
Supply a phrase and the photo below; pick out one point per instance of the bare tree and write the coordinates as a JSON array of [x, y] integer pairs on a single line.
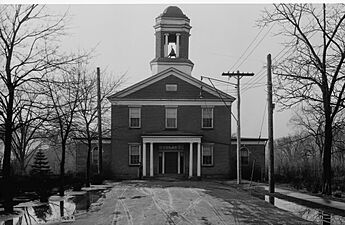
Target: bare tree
[[63, 96], [27, 133], [313, 72], [29, 49], [87, 113], [311, 123]]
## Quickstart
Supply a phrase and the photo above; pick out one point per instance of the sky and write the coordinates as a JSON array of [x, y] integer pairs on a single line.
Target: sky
[[124, 39]]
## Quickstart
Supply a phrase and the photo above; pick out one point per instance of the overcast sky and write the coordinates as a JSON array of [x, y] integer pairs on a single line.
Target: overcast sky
[[220, 33]]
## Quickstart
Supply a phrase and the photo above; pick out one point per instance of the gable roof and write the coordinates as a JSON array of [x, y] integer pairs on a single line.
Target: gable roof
[[168, 72]]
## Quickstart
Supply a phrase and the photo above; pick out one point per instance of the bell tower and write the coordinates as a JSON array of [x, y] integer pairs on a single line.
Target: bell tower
[[172, 31]]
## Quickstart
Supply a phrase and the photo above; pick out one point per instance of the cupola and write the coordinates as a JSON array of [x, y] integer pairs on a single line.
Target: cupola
[[172, 31]]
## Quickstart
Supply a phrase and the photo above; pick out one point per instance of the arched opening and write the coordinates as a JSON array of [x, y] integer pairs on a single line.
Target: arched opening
[[94, 159], [244, 156]]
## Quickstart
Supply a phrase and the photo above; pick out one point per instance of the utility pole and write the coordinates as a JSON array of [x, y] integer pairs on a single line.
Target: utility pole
[[100, 155], [270, 125], [238, 151]]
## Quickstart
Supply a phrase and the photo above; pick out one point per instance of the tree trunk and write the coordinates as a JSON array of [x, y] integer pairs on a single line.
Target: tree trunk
[[22, 167], [7, 181], [88, 163], [327, 168], [62, 169]]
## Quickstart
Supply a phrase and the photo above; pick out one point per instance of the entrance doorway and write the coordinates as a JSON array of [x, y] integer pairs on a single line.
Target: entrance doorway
[[170, 162]]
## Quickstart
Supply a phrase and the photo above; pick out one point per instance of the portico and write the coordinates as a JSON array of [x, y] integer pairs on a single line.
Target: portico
[[172, 152]]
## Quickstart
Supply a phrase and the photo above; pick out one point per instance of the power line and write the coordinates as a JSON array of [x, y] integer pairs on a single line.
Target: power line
[[227, 107], [254, 81], [263, 119], [261, 73], [247, 48], [256, 46], [275, 59]]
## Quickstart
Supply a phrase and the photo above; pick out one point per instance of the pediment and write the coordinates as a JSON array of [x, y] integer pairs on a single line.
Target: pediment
[[154, 87]]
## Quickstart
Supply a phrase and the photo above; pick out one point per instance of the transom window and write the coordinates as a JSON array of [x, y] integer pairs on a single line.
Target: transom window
[[244, 156], [134, 117], [207, 117], [134, 154], [171, 117], [207, 154]]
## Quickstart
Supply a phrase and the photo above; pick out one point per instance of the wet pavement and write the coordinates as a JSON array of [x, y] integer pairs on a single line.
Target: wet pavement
[[310, 198], [320, 216], [182, 202], [74, 203]]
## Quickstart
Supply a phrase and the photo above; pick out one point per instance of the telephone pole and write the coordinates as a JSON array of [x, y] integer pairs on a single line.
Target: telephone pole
[[270, 125], [239, 76], [100, 155]]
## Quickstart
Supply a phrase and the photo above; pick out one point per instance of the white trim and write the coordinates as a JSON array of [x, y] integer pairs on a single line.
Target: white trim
[[171, 102], [163, 74], [202, 117], [151, 159], [254, 142], [178, 162], [172, 139], [207, 106], [130, 117], [163, 162], [212, 154], [144, 160], [175, 64], [166, 117], [190, 159], [130, 153], [198, 167]]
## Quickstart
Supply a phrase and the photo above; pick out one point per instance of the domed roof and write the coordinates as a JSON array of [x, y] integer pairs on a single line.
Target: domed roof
[[173, 11]]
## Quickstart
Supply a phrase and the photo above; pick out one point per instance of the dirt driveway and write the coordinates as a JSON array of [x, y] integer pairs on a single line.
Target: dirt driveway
[[183, 202]]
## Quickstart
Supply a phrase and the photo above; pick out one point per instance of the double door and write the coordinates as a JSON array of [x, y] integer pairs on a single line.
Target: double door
[[171, 162]]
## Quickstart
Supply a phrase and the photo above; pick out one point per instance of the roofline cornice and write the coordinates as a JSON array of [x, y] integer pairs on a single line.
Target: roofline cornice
[[166, 73]]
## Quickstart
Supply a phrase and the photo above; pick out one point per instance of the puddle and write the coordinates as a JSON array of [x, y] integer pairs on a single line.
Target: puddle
[[35, 212], [315, 215]]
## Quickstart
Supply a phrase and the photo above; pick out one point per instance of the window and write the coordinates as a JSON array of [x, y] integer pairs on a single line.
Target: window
[[134, 154], [207, 117], [171, 117], [244, 156], [134, 117], [207, 154], [171, 87]]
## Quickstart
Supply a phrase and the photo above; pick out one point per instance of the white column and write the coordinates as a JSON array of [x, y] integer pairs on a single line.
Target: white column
[[166, 45], [177, 45], [178, 162], [163, 162], [144, 159], [198, 173], [190, 159], [151, 159]]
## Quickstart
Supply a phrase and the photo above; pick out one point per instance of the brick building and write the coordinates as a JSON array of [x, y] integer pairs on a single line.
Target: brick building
[[171, 122]]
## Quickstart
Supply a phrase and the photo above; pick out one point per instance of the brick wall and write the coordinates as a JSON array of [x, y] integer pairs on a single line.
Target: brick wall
[[81, 159], [153, 121], [184, 90], [257, 154]]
